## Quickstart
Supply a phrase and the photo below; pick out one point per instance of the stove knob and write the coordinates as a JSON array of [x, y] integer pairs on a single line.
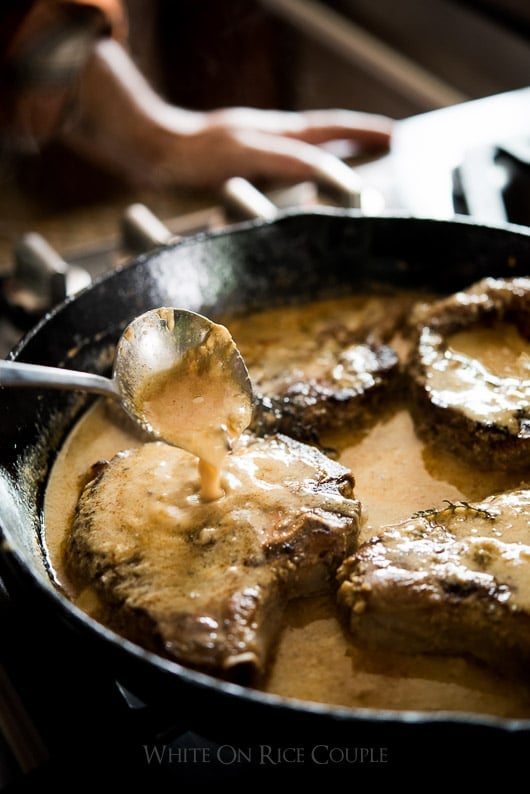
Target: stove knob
[[143, 231]]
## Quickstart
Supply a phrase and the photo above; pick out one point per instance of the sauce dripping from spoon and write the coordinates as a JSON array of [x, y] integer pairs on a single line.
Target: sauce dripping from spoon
[[189, 387]]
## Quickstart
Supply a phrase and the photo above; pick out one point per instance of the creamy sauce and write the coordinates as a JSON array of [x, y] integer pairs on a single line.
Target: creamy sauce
[[484, 372], [198, 405], [395, 476]]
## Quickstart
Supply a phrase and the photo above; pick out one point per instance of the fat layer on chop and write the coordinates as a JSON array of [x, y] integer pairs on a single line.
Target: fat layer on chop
[[205, 583], [449, 581]]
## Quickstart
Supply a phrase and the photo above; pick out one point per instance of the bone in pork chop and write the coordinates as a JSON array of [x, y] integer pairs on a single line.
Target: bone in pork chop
[[205, 583], [470, 373], [449, 581]]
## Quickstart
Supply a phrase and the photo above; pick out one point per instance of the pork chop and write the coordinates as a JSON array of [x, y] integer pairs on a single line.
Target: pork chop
[[449, 581], [205, 582], [348, 391], [325, 365], [470, 373]]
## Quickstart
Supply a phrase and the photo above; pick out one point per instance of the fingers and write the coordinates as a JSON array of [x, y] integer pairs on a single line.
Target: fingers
[[210, 158], [266, 155], [278, 157], [311, 126], [256, 155], [367, 129]]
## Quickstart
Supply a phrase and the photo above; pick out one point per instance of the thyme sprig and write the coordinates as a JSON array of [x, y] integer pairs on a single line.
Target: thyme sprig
[[452, 507]]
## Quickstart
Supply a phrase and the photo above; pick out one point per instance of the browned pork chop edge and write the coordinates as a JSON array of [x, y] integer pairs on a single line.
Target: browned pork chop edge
[[330, 371]]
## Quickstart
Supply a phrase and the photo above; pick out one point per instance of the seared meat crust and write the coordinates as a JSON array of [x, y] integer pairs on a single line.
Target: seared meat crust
[[458, 404], [327, 365], [205, 583], [449, 581], [303, 408]]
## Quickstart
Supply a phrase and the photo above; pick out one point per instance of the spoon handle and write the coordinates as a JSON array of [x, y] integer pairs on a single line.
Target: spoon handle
[[20, 374]]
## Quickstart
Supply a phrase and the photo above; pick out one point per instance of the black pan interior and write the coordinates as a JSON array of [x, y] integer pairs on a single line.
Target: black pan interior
[[254, 265]]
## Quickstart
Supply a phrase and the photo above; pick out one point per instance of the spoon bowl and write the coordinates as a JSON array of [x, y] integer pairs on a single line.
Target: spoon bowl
[[159, 352]]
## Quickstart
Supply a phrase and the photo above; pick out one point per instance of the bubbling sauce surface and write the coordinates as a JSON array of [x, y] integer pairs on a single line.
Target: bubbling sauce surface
[[395, 476]]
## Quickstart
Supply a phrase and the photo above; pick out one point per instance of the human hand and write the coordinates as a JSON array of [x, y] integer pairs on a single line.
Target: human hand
[[266, 144], [126, 127]]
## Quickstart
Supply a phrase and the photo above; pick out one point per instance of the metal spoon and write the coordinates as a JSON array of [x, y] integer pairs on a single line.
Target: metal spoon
[[164, 346]]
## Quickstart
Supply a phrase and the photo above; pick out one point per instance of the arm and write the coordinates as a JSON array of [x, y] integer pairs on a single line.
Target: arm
[[131, 130], [111, 115]]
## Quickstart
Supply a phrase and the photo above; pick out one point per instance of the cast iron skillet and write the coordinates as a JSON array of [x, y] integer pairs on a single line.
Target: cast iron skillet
[[300, 255]]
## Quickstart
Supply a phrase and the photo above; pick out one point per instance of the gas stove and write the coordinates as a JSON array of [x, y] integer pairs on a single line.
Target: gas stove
[[39, 276]]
